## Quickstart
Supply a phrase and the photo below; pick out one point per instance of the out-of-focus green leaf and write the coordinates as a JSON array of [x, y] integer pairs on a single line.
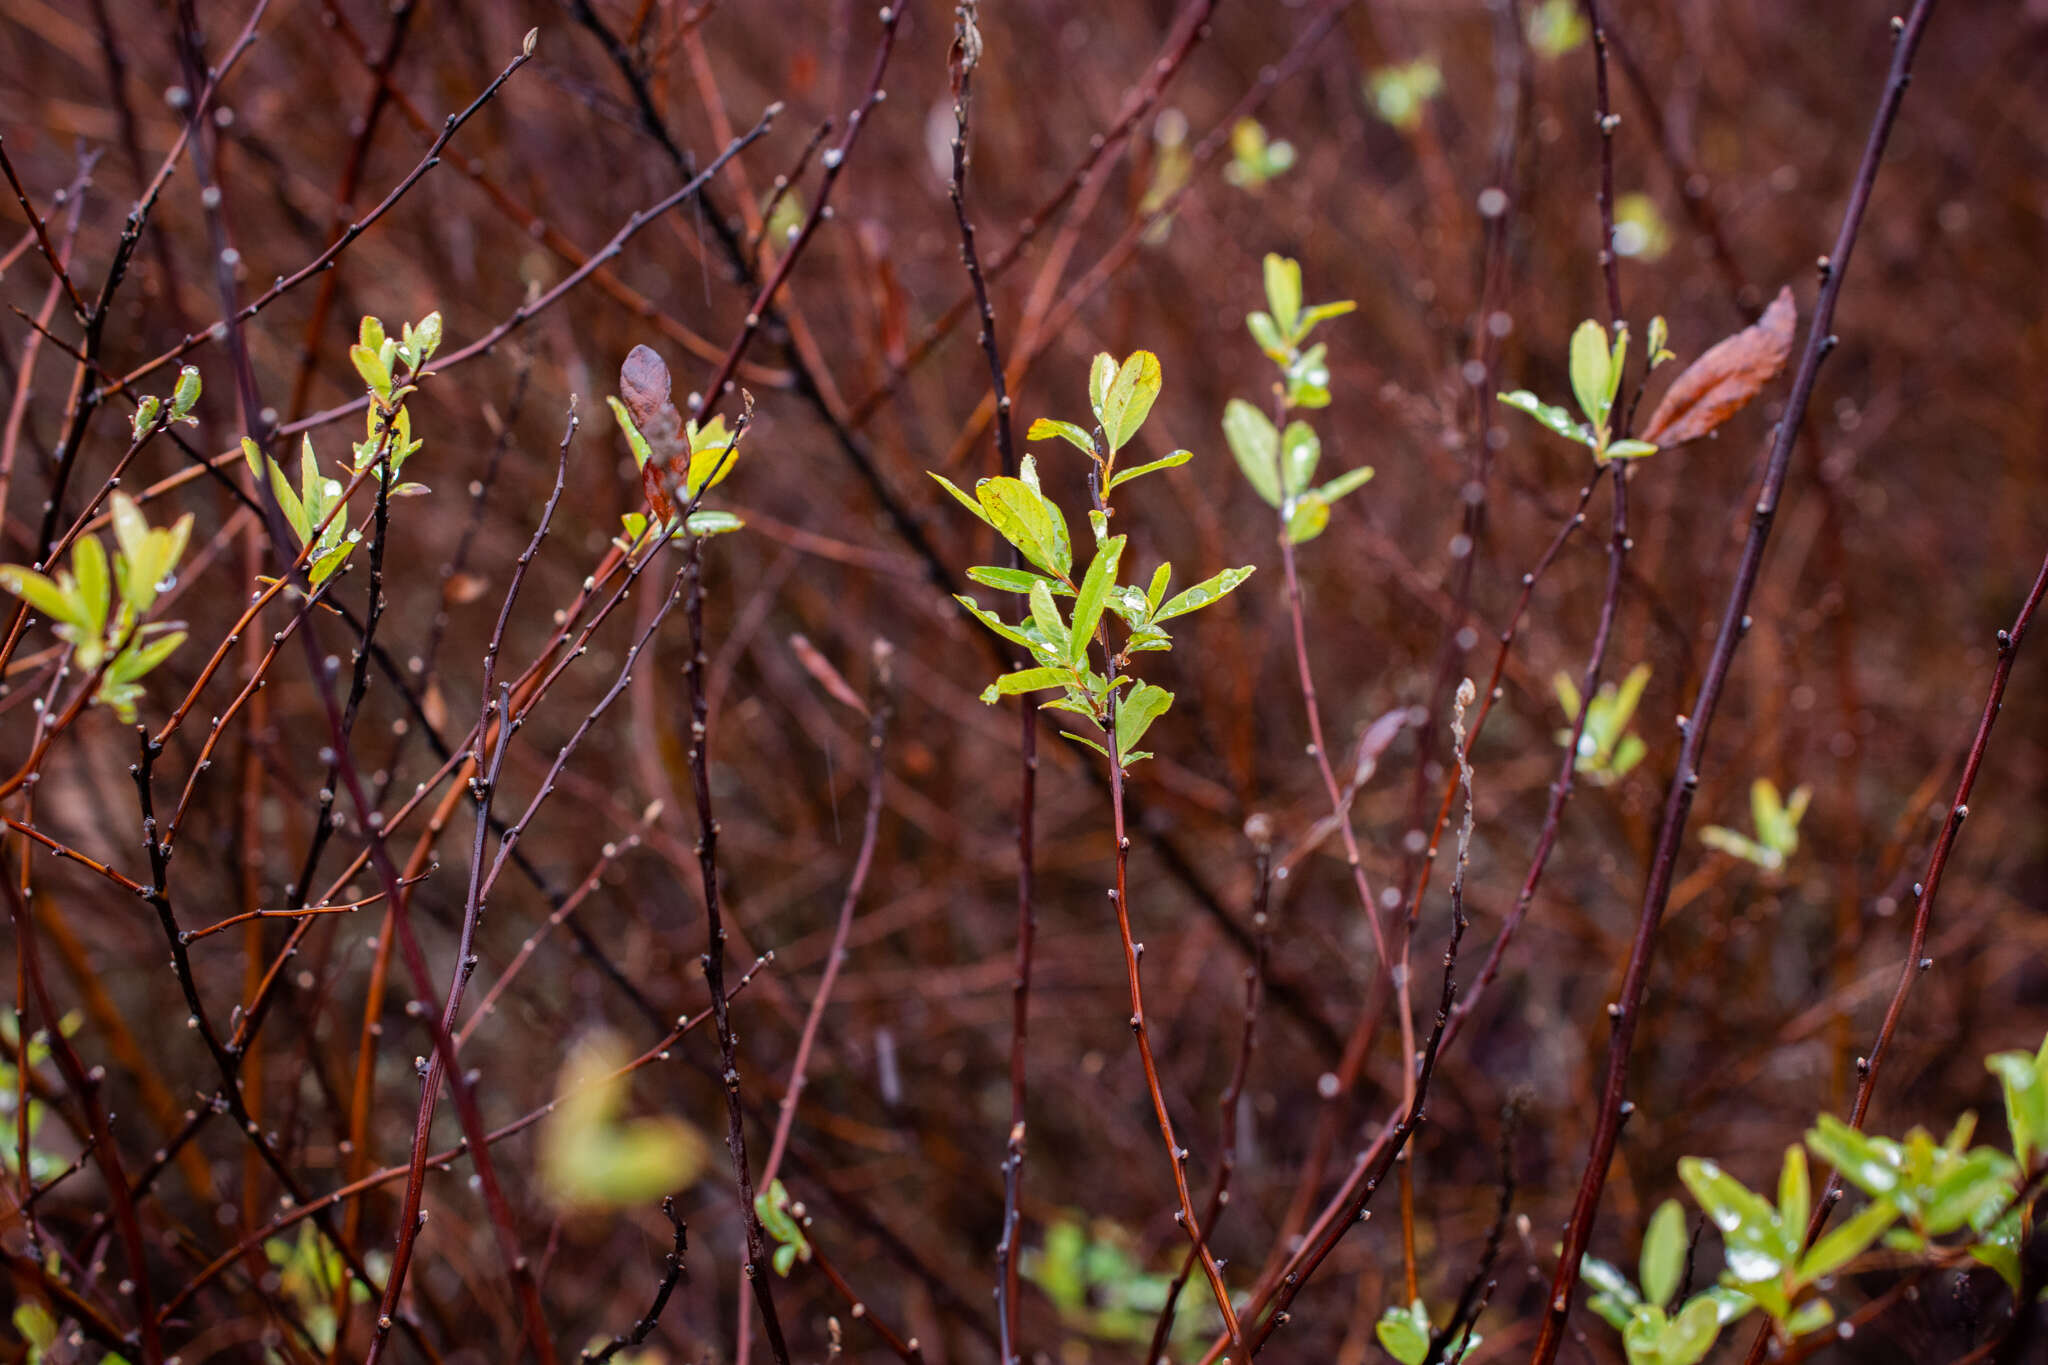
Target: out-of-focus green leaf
[[1664, 1253], [1256, 444]]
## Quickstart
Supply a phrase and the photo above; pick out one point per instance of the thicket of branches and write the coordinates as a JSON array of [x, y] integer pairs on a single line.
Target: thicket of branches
[[569, 895]]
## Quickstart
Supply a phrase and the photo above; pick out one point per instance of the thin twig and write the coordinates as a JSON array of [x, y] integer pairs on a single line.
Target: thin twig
[[1734, 625]]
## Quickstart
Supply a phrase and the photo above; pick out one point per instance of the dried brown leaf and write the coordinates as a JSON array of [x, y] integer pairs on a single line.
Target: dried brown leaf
[[463, 588], [644, 389], [828, 677], [1734, 370]]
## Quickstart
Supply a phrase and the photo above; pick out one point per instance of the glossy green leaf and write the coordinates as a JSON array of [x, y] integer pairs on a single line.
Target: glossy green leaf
[[43, 594], [1859, 1160], [1346, 482], [1617, 364], [1102, 373], [1308, 378], [1629, 450], [1767, 813], [131, 530], [1014, 580], [1730, 1304], [1549, 414], [1283, 292], [1156, 591], [1146, 703], [1267, 334], [1026, 680], [712, 523], [1204, 593], [1795, 1189], [1999, 1247], [289, 503], [137, 661], [1591, 368], [642, 452], [186, 393], [2022, 1078], [370, 365], [94, 590], [1256, 444], [1664, 1247], [1095, 586], [1753, 1239], [1606, 1278], [1847, 1240], [1309, 518], [1173, 461], [1129, 398], [1737, 845], [1063, 549], [1046, 428], [1083, 739], [1971, 1192], [997, 624], [1300, 449], [965, 501], [1397, 1332], [1028, 520], [1323, 312], [1045, 616], [1690, 1334], [1810, 1316]]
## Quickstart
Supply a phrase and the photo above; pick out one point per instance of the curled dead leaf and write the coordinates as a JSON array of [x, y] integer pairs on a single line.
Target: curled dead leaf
[[434, 706], [1734, 370], [828, 677], [644, 389]]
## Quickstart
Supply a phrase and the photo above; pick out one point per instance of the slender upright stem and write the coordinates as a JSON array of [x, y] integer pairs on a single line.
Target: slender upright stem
[[1394, 960], [754, 1266], [966, 52], [1735, 623], [1176, 1155]]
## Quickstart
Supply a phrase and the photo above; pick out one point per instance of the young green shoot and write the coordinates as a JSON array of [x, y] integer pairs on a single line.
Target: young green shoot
[[1777, 827]]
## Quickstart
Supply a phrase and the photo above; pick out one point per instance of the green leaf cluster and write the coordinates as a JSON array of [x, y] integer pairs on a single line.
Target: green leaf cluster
[[1777, 827], [1937, 1190], [1606, 751], [1090, 1275], [1256, 159], [150, 415], [313, 510], [42, 1165], [1557, 27], [1280, 463], [1596, 371], [590, 1158], [1282, 332], [1919, 1191], [1059, 640], [1405, 1333], [376, 357], [784, 1221], [1399, 93], [1653, 1332], [714, 450], [101, 614], [308, 1271]]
